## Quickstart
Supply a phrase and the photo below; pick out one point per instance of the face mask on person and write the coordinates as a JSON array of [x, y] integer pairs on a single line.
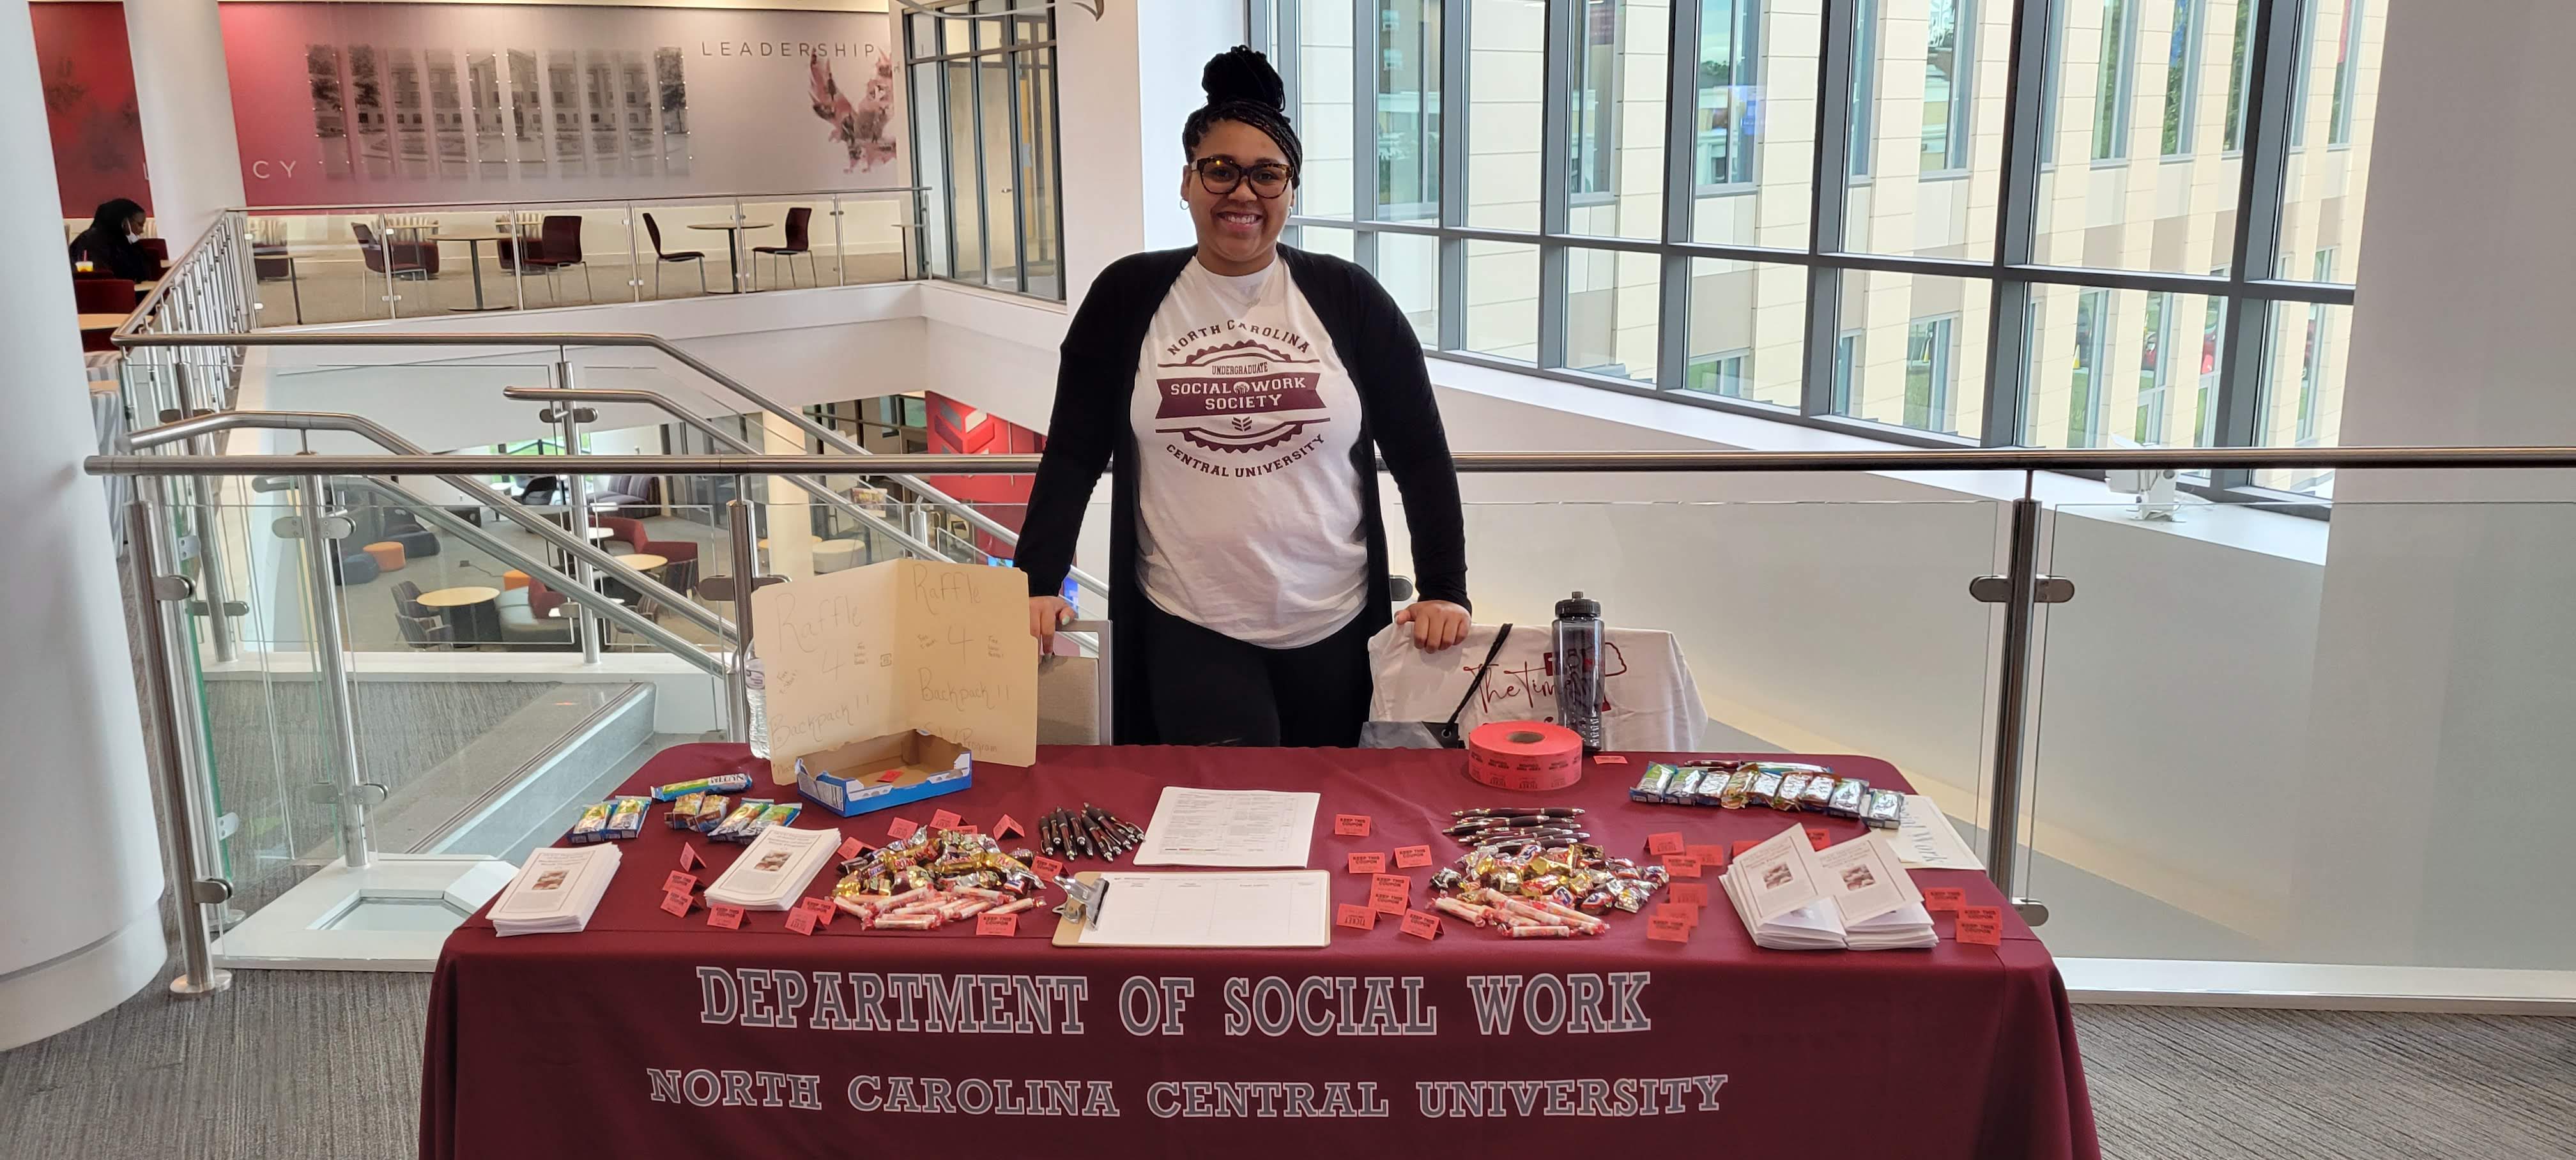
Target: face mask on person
[[131, 237]]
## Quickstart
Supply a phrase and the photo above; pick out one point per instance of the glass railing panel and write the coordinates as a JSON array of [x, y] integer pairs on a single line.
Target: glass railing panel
[[335, 265], [1821, 628], [478, 724], [877, 240], [2252, 749]]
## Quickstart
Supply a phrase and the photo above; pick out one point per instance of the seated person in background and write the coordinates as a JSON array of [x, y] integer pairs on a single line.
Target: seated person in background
[[109, 244]]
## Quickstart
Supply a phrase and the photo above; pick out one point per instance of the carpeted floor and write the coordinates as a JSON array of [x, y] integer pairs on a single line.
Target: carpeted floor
[[313, 1066]]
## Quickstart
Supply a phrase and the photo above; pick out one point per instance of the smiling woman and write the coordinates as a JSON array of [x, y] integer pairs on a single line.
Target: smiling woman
[[1248, 560]]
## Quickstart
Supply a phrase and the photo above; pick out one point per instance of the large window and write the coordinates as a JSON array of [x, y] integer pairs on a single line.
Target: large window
[[983, 93], [1624, 193]]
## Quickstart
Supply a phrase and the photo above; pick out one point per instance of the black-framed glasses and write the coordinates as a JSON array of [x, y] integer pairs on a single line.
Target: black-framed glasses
[[1220, 177]]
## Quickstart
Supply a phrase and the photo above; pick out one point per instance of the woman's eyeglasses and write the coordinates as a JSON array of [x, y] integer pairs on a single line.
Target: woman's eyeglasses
[[1220, 177]]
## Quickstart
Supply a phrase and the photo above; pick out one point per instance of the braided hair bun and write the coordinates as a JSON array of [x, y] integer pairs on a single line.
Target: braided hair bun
[[1243, 88], [1240, 74]]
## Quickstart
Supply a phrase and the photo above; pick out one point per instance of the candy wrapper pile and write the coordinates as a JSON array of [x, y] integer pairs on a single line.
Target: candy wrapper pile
[[933, 878], [1529, 889]]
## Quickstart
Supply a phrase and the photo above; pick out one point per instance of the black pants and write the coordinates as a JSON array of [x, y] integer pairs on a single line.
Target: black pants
[[1211, 689]]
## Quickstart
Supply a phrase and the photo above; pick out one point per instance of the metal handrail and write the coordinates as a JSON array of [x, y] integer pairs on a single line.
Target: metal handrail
[[441, 467], [1471, 462], [145, 310], [825, 435], [676, 199]]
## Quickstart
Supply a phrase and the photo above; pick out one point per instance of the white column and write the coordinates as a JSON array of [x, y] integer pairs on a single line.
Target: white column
[[1127, 80], [80, 928], [190, 153], [2439, 729]]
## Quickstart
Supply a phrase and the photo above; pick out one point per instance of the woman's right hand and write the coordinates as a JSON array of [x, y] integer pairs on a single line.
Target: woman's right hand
[[1046, 613]]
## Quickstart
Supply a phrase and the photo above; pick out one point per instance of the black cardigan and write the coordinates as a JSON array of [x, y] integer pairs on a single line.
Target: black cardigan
[[1398, 418]]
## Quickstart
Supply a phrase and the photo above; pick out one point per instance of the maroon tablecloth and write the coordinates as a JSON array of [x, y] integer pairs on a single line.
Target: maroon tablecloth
[[609, 1043]]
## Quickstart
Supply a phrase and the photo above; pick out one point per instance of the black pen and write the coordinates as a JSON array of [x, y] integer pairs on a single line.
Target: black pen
[[1521, 812]]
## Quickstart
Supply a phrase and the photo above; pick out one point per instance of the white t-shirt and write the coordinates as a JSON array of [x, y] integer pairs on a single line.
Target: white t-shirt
[[1249, 518]]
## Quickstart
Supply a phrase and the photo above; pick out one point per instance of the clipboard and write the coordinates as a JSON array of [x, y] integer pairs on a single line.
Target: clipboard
[[1069, 928]]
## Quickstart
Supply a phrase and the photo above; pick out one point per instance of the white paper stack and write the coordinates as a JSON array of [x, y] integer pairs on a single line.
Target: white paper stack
[[556, 891], [1793, 897], [774, 869]]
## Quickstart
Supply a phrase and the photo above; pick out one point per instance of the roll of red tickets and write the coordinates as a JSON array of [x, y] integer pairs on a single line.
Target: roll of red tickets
[[1524, 755]]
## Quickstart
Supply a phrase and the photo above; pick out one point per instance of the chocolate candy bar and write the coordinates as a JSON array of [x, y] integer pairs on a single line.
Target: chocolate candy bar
[[626, 817], [731, 829], [712, 813], [592, 826], [684, 810], [1851, 797], [1650, 786], [778, 814], [1886, 809]]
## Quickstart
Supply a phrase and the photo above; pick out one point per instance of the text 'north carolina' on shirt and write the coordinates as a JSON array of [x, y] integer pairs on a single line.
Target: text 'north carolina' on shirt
[[1249, 507]]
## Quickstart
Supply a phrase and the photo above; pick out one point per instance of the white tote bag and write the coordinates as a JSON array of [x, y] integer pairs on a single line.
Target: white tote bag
[[1653, 704]]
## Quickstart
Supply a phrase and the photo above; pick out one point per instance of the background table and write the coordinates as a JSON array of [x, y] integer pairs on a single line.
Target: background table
[[469, 621], [550, 1043], [733, 248], [474, 262]]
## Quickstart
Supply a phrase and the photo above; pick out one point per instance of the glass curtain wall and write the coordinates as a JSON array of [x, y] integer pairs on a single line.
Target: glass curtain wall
[[983, 88], [2055, 223]]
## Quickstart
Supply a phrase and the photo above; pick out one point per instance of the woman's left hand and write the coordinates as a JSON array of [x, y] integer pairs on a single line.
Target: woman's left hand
[[1437, 624]]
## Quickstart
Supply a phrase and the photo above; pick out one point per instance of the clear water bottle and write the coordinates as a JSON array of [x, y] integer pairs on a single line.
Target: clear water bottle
[[755, 691], [1579, 637]]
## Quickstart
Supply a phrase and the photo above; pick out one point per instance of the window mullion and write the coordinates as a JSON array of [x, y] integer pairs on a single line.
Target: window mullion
[[2026, 91], [1681, 187], [1454, 42], [1367, 65], [1826, 205], [1564, 24], [2271, 78]]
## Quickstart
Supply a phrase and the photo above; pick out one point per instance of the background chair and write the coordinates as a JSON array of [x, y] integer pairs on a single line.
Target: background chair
[[403, 259], [421, 625], [404, 528], [798, 219], [560, 242], [682, 570], [541, 490], [653, 229], [636, 496]]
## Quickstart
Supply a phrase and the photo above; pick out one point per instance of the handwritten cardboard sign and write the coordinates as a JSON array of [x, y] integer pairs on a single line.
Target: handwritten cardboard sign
[[1981, 925], [1368, 863], [878, 651], [1422, 926], [1355, 917], [1351, 825], [1412, 857]]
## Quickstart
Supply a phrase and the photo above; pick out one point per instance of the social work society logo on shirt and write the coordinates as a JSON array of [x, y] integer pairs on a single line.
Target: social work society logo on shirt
[[1236, 389]]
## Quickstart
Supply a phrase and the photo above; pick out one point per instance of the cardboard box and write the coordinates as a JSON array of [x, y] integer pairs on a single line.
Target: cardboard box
[[850, 780]]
